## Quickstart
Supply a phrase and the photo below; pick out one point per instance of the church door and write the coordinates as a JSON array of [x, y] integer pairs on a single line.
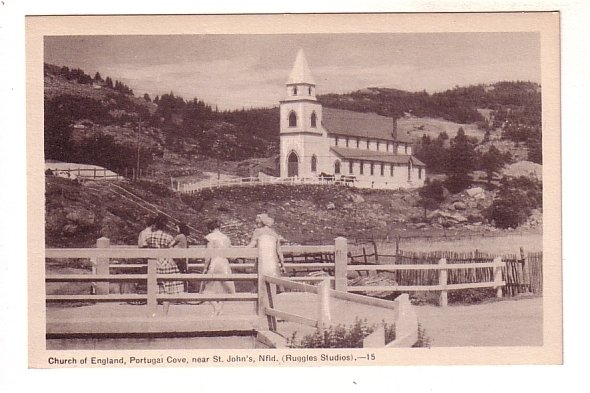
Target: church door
[[292, 165]]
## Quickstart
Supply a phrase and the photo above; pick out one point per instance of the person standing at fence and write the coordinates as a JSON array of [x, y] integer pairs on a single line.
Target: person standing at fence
[[181, 241], [159, 238], [143, 235], [264, 225], [217, 265]]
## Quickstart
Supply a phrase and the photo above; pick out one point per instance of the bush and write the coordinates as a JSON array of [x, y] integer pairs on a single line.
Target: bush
[[341, 336], [352, 336], [514, 202]]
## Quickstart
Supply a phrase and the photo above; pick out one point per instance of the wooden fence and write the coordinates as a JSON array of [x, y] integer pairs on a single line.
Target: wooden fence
[[260, 274]]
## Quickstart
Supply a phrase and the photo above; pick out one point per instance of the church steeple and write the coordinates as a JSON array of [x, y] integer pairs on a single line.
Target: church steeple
[[300, 84], [300, 74]]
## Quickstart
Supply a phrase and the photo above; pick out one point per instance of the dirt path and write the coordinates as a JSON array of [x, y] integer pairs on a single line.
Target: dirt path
[[503, 323]]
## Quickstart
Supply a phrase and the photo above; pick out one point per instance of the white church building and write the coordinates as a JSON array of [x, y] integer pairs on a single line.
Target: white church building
[[349, 145]]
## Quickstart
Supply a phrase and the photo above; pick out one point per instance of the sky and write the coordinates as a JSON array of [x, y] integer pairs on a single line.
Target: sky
[[244, 71]]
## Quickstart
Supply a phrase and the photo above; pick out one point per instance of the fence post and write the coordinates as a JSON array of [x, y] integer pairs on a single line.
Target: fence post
[[526, 278], [152, 287], [102, 267], [324, 316], [340, 264], [498, 276], [267, 265], [442, 281]]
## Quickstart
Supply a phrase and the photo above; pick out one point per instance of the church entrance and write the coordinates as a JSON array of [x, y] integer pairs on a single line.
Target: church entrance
[[292, 165]]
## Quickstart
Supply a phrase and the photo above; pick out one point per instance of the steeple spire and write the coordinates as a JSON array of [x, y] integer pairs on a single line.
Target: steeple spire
[[300, 72]]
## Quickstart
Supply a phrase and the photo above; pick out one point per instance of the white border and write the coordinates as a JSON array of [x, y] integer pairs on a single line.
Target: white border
[[13, 291]]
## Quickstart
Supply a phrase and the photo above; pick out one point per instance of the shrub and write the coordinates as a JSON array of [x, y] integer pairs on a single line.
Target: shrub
[[514, 202], [352, 336]]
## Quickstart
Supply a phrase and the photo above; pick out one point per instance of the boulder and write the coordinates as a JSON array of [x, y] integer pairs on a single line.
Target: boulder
[[459, 206], [355, 198], [331, 206], [476, 192]]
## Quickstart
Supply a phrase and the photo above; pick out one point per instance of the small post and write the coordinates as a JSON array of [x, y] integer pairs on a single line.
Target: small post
[[340, 264], [498, 276], [152, 288], [526, 277], [102, 267], [442, 281], [324, 316]]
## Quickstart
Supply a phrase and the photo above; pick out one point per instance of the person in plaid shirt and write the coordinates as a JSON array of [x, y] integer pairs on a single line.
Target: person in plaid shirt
[[159, 238]]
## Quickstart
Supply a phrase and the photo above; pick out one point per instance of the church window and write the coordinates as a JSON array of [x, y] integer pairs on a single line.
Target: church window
[[382, 169], [377, 145], [362, 166], [350, 165], [295, 90], [309, 91], [292, 119], [372, 168], [314, 163], [367, 144], [337, 167], [336, 141], [419, 173], [358, 141], [314, 120], [406, 148], [387, 147], [346, 141], [391, 170]]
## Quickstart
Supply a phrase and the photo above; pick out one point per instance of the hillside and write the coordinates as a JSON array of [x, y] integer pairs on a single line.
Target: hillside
[[98, 121], [77, 213]]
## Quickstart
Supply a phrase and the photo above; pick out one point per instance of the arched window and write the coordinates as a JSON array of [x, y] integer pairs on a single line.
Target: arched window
[[314, 120], [309, 91], [292, 119], [295, 90], [314, 163], [337, 167]]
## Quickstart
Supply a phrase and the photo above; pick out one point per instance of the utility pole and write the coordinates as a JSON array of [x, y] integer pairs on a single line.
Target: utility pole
[[138, 149]]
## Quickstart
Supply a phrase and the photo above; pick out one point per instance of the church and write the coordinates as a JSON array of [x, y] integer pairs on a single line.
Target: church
[[363, 148]]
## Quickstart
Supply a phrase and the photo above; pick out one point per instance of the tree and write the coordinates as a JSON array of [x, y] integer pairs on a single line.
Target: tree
[[431, 195], [57, 133], [492, 161], [460, 162], [109, 82], [146, 97], [97, 77]]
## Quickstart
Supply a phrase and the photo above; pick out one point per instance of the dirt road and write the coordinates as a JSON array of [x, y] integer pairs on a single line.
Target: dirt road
[[503, 323]]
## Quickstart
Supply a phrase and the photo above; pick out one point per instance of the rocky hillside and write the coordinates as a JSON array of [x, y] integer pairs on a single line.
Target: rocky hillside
[[77, 213]]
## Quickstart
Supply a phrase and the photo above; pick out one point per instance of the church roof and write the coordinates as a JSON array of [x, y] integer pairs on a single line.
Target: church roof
[[360, 124], [300, 72], [378, 156]]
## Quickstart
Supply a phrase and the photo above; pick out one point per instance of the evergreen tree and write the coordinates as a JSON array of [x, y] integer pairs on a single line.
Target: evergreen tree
[[492, 161], [460, 162]]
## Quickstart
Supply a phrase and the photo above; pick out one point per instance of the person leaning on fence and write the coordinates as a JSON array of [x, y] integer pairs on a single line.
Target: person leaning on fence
[[217, 265], [159, 238], [264, 225], [181, 241], [142, 238]]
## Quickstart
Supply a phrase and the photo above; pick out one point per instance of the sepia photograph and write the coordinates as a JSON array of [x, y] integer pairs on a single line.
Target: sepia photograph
[[276, 190]]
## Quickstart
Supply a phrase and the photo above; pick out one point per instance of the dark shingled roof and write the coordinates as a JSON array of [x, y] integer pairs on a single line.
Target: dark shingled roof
[[359, 124], [379, 156]]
